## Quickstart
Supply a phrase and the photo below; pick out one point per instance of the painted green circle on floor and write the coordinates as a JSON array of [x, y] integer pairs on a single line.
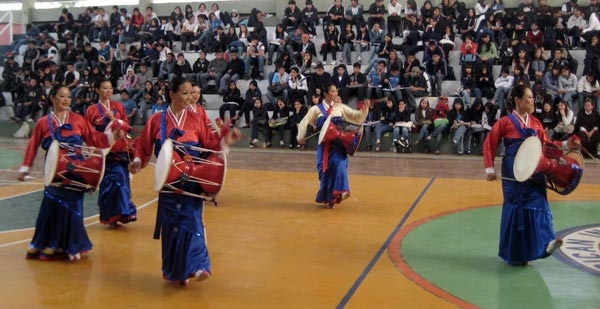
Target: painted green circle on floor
[[459, 254], [10, 158]]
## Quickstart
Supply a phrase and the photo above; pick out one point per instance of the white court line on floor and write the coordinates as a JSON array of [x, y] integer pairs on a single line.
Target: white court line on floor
[[87, 225]]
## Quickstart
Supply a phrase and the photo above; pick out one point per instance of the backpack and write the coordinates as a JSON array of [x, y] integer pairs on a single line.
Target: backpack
[[403, 145]]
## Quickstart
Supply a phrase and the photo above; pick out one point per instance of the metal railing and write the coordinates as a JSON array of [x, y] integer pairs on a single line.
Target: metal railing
[[8, 26]]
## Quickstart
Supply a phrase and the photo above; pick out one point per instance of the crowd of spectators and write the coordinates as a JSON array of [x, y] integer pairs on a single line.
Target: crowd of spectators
[[408, 48]]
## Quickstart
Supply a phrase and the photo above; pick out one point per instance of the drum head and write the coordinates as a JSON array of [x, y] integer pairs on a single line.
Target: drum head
[[51, 162], [163, 164], [324, 129], [527, 158], [353, 148]]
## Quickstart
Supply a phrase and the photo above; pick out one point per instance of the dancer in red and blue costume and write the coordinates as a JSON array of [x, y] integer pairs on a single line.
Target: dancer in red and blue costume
[[114, 198], [332, 159], [179, 221], [59, 229], [526, 228]]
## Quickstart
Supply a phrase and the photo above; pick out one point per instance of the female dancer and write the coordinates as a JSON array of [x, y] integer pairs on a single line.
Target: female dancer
[[59, 229], [114, 198], [179, 220], [526, 231], [332, 159]]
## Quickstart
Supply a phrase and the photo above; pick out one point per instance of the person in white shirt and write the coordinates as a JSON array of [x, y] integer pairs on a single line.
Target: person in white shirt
[[576, 24], [504, 84], [394, 19], [297, 86], [593, 27], [189, 32]]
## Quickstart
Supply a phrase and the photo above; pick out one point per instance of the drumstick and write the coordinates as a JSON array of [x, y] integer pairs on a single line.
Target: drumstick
[[511, 179], [588, 153]]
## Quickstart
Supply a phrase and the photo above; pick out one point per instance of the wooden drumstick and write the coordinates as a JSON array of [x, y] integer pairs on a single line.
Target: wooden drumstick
[[588, 153]]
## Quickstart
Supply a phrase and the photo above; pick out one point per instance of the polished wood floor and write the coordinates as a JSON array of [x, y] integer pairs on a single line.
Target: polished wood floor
[[271, 246]]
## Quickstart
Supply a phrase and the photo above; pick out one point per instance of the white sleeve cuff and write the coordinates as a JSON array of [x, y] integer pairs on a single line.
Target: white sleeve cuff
[[137, 160], [111, 137], [490, 170], [24, 169]]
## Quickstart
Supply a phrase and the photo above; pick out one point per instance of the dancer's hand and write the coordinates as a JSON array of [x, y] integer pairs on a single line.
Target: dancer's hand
[[574, 143], [135, 167], [301, 141], [233, 136], [491, 176]]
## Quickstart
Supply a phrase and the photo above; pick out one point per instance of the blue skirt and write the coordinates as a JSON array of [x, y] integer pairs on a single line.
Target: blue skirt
[[183, 236], [59, 224], [114, 198], [334, 181], [526, 226]]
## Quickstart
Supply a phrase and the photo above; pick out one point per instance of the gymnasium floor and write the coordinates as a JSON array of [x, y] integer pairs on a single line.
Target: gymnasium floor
[[419, 231]]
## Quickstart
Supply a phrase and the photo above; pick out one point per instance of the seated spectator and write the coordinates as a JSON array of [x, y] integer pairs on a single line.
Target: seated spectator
[[504, 84], [376, 37], [89, 58], [232, 99], [437, 70], [331, 43], [214, 24], [252, 94], [440, 122], [392, 83], [376, 12], [418, 86], [383, 53], [567, 87], [278, 43], [130, 80], [201, 66], [148, 97], [586, 126], [588, 87], [278, 86], [216, 69], [564, 122], [424, 121], [369, 125], [234, 71], [159, 106], [468, 86], [130, 106], [459, 126], [298, 86], [357, 82], [309, 18], [375, 84], [394, 20], [182, 69], [189, 32], [255, 56], [486, 49], [167, 68], [346, 40], [298, 113], [387, 119], [402, 126], [105, 54], [279, 120], [335, 15], [291, 16], [318, 81], [362, 41], [260, 119], [129, 33]]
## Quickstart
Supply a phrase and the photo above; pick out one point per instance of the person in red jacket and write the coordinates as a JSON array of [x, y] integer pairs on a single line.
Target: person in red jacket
[[526, 230], [59, 229], [114, 198]]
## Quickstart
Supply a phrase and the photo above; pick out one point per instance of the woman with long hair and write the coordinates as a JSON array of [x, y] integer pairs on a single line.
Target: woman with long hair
[[179, 218], [59, 229], [114, 198]]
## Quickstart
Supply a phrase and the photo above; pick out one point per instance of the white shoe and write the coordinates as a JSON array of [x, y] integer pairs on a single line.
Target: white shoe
[[254, 141], [74, 257], [359, 59], [201, 275], [333, 63], [554, 245]]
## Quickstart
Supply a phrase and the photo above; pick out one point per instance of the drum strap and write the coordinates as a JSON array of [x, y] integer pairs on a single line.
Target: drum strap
[[525, 132], [326, 144], [103, 115], [56, 133]]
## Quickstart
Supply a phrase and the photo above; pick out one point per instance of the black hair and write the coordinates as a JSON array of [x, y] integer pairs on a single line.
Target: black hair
[[54, 90], [177, 82]]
